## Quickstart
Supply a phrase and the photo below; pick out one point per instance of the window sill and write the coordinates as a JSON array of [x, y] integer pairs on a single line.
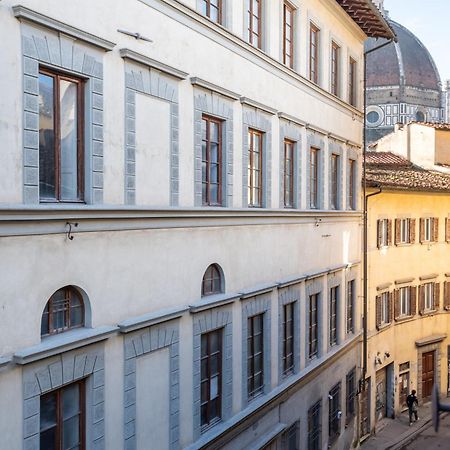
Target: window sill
[[403, 244], [384, 326], [428, 312], [59, 343], [213, 301], [402, 319], [212, 424]]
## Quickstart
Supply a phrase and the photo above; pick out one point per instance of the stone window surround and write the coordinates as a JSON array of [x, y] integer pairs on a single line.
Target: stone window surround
[[252, 306], [352, 153], [257, 117], [55, 372], [315, 286], [292, 132], [216, 102], [141, 342], [336, 149], [351, 275], [204, 322], [335, 280], [315, 140], [287, 295], [50, 48], [149, 77], [437, 365]]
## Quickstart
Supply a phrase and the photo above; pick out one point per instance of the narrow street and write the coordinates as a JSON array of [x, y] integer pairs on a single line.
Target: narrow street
[[431, 440]]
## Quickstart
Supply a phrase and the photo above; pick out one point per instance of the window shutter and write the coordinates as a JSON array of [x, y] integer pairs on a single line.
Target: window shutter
[[435, 229], [396, 304], [421, 299], [378, 311], [391, 307], [413, 300], [447, 295], [437, 291], [389, 232], [397, 231], [412, 231], [379, 224], [447, 230], [421, 230]]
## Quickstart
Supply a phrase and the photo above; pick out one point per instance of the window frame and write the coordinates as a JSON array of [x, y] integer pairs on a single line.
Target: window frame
[[288, 194], [254, 390], [428, 229], [334, 408], [333, 315], [69, 291], [314, 53], [405, 231], [383, 231], [315, 426], [57, 77], [385, 313], [335, 66], [208, 11], [350, 307], [405, 301], [352, 82], [313, 326], [60, 420], [288, 336], [288, 7], [334, 168], [252, 202], [314, 198], [209, 376], [219, 122], [350, 384], [351, 195], [217, 268], [250, 30], [428, 296]]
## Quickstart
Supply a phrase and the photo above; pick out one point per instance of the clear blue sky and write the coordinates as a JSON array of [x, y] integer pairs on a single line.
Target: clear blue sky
[[429, 20]]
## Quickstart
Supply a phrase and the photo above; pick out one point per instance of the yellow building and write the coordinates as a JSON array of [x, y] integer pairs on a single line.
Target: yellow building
[[408, 285]]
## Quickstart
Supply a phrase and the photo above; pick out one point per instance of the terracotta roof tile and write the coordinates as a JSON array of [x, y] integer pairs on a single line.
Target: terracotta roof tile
[[385, 169]]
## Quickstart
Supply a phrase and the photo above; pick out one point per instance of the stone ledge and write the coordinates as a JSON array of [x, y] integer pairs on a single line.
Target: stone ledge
[[63, 342], [131, 55], [153, 318], [258, 290], [195, 81], [26, 14], [254, 104], [213, 301], [268, 437], [430, 340], [5, 360]]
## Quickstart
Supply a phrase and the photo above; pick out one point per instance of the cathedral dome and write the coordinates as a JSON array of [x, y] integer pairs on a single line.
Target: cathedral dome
[[403, 83], [406, 62]]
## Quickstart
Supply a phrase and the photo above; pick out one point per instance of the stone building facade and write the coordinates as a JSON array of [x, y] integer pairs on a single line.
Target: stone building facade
[[180, 223]]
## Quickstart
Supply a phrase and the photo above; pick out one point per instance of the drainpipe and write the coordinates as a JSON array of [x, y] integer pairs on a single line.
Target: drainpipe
[[365, 240]]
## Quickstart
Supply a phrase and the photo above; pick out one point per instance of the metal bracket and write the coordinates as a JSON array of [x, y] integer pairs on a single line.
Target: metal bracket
[[69, 233]]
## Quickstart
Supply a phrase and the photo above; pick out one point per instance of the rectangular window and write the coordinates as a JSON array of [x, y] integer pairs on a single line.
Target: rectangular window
[[255, 356], [313, 325], [428, 290], [405, 301], [314, 34], [254, 13], [334, 412], [404, 231], [350, 382], [291, 437], [428, 229], [385, 316], [288, 338], [332, 313], [211, 161], [60, 138], [350, 306], [314, 178], [335, 53], [334, 181], [383, 233], [289, 149], [62, 418], [288, 34], [212, 9], [211, 378], [315, 427], [352, 82], [255, 155], [351, 184]]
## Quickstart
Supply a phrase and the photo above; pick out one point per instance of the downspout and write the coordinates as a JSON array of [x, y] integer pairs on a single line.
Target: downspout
[[365, 231]]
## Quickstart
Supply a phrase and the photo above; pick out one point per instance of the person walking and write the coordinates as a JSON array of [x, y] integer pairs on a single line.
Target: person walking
[[413, 404]]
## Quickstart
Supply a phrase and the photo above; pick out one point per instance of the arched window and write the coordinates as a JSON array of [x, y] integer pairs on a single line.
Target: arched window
[[420, 116], [212, 281], [64, 310]]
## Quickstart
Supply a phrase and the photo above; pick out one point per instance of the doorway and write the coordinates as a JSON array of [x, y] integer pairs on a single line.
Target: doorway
[[380, 395], [428, 364]]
